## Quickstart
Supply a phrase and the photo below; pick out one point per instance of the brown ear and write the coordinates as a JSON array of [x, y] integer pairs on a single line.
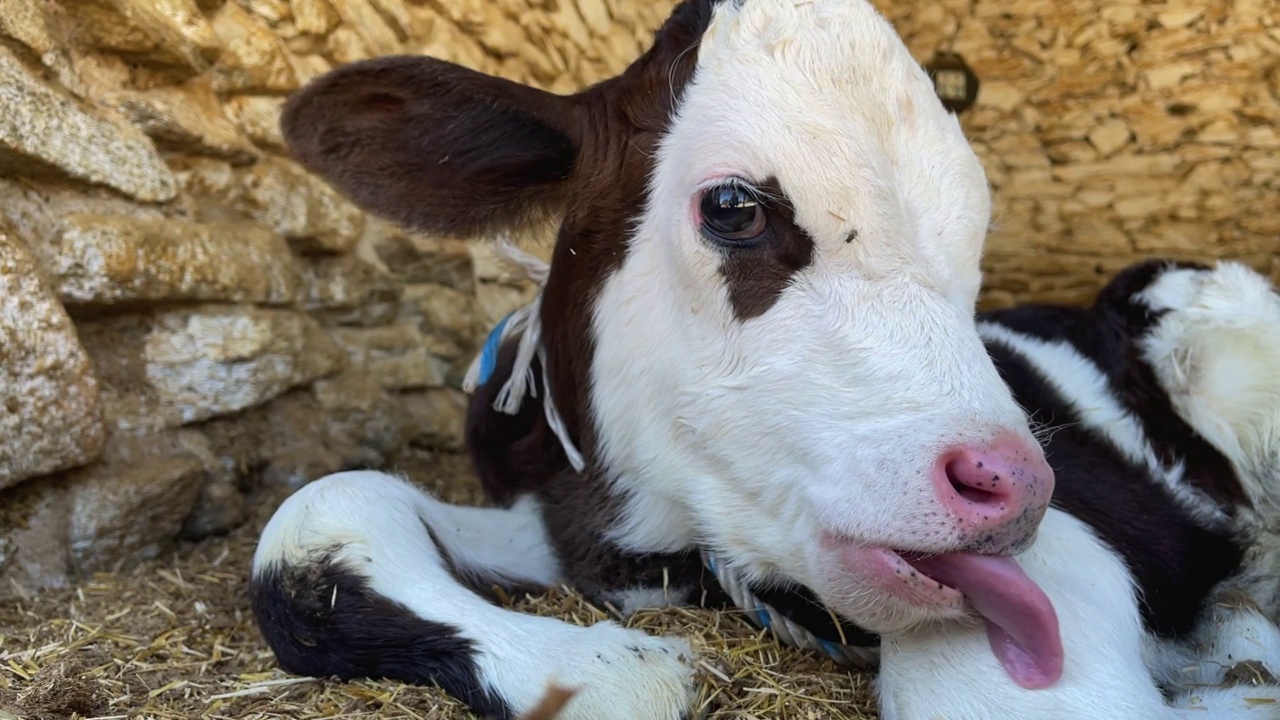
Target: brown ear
[[434, 146]]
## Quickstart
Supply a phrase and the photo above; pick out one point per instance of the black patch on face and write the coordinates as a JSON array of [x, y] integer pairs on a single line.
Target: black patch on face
[[758, 272], [322, 620], [1175, 560]]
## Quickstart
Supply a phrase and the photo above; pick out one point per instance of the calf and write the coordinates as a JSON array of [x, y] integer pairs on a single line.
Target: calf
[[756, 343]]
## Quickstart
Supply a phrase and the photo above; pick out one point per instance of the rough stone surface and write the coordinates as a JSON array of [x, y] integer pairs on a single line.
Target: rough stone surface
[[131, 506], [258, 118], [111, 259], [446, 318], [253, 58], [50, 416], [367, 425], [155, 31], [34, 525], [23, 21], [280, 195], [127, 505], [176, 367], [186, 118], [430, 260], [345, 290], [45, 132], [1114, 131], [438, 417], [395, 356]]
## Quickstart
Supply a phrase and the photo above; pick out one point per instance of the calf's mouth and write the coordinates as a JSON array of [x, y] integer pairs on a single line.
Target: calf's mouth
[[1021, 623]]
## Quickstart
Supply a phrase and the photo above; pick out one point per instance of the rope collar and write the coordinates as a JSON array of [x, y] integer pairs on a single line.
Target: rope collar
[[526, 322], [783, 628]]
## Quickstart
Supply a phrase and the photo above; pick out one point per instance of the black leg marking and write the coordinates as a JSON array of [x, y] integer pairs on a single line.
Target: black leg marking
[[323, 620]]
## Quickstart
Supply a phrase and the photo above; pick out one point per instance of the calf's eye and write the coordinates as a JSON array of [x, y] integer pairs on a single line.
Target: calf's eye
[[732, 214]]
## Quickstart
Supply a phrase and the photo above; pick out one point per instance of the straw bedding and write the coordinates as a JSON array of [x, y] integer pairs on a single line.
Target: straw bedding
[[175, 639]]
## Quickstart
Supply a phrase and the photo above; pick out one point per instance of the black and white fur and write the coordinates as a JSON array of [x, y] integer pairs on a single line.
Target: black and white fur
[[757, 335], [1160, 411]]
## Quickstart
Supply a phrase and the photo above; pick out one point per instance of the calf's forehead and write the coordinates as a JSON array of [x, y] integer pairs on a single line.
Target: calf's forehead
[[823, 97]]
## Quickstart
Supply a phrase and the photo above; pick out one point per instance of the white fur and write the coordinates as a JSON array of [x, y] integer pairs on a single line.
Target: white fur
[[1216, 351], [949, 671], [376, 521], [1084, 387], [827, 412], [1234, 631]]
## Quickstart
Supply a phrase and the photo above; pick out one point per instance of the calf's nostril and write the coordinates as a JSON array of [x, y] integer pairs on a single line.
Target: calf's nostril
[[972, 482]]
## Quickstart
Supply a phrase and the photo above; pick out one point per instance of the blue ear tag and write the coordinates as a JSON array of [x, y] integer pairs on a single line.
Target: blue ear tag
[[489, 353]]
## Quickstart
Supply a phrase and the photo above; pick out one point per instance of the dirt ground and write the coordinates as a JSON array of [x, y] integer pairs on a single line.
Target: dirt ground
[[175, 639]]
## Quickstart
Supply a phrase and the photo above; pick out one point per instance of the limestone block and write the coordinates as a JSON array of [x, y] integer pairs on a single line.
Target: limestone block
[[154, 31], [346, 290], [344, 46], [429, 260], [273, 11], [127, 505], [41, 131], [186, 119], [370, 25], [104, 260], [130, 507], [23, 21], [395, 356], [1128, 101], [301, 207], [446, 318], [314, 17], [174, 367], [285, 198], [362, 418], [219, 508], [347, 421], [258, 117], [438, 417], [50, 413], [34, 523], [254, 60]]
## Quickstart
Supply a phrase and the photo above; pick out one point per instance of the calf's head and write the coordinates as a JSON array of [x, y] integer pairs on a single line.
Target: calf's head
[[759, 320]]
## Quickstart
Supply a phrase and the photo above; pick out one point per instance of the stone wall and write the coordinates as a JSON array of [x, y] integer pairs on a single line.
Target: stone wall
[[184, 312], [1116, 129]]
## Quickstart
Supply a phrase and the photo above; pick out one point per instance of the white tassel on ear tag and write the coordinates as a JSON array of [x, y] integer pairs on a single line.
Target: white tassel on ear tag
[[526, 322]]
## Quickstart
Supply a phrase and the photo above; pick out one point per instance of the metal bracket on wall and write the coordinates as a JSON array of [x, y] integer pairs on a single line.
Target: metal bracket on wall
[[955, 82]]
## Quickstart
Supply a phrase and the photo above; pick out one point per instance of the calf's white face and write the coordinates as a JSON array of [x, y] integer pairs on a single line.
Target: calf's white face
[[759, 320], [788, 353]]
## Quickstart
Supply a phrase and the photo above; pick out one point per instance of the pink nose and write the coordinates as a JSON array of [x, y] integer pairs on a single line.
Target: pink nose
[[998, 492]]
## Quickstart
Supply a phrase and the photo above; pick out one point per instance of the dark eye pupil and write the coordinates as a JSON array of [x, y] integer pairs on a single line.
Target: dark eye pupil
[[730, 211]]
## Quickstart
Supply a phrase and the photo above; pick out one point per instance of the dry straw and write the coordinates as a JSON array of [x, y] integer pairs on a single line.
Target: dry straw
[[174, 639]]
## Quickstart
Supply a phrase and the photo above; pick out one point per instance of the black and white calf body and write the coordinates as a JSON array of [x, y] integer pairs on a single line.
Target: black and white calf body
[[1159, 549], [757, 339]]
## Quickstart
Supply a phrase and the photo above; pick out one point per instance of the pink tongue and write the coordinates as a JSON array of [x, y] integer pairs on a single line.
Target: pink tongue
[[1021, 623]]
